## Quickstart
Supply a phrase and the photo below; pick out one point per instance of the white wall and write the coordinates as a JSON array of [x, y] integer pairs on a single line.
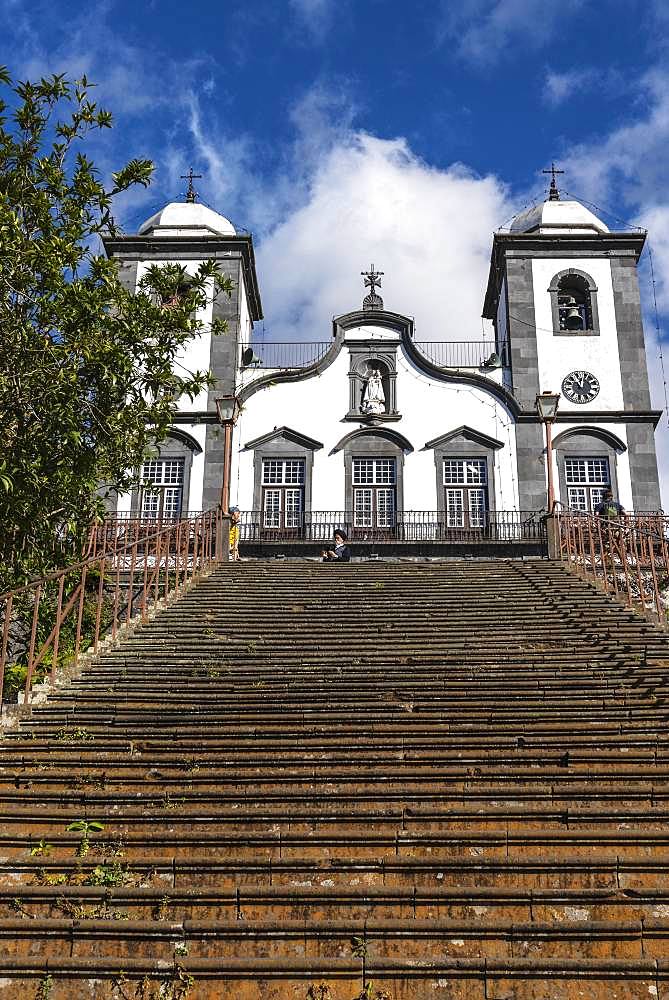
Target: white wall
[[196, 354], [315, 407], [558, 356]]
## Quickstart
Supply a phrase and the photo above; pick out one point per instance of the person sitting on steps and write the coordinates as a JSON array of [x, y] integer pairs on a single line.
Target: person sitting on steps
[[341, 551]]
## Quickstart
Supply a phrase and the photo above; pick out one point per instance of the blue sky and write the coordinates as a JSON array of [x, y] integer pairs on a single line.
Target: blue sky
[[342, 132]]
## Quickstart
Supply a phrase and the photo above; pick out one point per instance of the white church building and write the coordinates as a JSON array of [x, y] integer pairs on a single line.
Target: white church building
[[368, 429]]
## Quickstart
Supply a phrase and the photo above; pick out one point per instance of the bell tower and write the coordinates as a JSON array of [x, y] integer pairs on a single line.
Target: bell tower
[[188, 233], [563, 292]]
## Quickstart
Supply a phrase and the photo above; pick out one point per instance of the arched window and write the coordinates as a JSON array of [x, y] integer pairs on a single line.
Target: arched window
[[587, 466], [574, 303]]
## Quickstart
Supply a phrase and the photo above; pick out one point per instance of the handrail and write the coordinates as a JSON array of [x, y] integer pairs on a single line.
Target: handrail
[[284, 354], [133, 575], [626, 556]]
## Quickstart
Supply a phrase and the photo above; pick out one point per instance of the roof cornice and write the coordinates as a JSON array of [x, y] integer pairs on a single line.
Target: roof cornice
[[192, 248]]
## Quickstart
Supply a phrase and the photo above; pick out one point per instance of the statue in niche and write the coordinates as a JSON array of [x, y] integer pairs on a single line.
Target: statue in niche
[[373, 397]]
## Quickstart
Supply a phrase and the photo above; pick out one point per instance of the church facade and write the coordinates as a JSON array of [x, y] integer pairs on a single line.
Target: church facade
[[369, 429]]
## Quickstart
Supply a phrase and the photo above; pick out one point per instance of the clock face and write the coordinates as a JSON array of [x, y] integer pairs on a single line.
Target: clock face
[[580, 387]]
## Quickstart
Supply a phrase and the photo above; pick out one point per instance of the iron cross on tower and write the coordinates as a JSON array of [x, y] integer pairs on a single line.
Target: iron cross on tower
[[191, 193], [553, 194], [372, 279]]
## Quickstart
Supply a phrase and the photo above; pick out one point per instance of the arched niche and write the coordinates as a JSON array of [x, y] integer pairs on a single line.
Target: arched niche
[[574, 284]]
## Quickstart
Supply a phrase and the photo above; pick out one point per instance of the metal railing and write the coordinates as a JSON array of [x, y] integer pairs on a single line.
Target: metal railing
[[465, 353], [47, 623], [445, 354], [283, 354], [627, 557], [410, 526]]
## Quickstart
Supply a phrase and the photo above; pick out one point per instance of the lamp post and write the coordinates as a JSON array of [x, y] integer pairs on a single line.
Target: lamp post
[[228, 409], [547, 405]]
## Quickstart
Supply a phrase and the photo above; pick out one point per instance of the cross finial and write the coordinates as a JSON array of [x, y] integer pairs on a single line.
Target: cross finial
[[553, 193], [372, 281], [191, 193]]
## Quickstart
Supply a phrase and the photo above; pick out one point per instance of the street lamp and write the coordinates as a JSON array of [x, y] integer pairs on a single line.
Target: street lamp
[[547, 405], [228, 409]]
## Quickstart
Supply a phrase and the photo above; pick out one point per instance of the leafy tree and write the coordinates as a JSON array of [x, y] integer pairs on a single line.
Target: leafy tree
[[88, 378]]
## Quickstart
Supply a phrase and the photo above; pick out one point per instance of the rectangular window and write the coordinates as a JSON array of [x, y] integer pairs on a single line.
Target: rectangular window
[[282, 482], [162, 487], [465, 492], [373, 471], [587, 480], [374, 492]]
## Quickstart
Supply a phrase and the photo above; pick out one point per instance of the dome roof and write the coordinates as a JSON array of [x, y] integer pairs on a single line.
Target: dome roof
[[181, 218], [555, 216]]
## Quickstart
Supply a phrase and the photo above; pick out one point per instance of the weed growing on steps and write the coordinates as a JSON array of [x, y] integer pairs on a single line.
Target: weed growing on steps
[[177, 987], [66, 735], [160, 910], [44, 988], [41, 849], [17, 907], [85, 828], [77, 911], [319, 991]]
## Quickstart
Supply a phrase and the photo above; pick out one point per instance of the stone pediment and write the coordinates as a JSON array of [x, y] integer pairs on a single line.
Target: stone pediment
[[288, 435], [464, 433]]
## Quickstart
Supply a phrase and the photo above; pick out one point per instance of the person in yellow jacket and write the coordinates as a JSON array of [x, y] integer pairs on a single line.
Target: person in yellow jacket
[[235, 517]]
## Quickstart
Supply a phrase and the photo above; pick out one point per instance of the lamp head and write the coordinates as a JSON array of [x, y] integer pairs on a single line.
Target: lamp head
[[547, 406]]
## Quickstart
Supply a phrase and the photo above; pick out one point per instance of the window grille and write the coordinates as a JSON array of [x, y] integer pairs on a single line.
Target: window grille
[[282, 483], [162, 489], [465, 492], [374, 504], [587, 480]]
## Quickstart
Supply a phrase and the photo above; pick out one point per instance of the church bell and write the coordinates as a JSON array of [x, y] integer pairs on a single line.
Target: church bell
[[573, 320]]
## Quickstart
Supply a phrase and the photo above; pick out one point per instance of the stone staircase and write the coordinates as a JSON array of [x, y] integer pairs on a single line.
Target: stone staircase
[[369, 780]]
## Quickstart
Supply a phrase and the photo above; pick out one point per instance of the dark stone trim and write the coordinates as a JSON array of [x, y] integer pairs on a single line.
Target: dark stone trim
[[553, 290], [469, 434], [449, 446], [281, 448], [371, 418], [373, 444], [597, 416], [386, 433], [643, 468], [506, 245], [581, 445], [629, 328], [176, 445], [193, 248], [531, 465], [607, 437], [186, 439], [287, 434], [196, 417]]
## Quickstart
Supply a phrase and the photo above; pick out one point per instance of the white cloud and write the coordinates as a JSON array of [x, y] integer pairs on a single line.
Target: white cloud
[[484, 31], [372, 199], [315, 15], [560, 87]]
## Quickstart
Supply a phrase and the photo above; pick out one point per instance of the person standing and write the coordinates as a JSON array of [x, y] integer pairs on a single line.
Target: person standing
[[608, 507], [235, 517]]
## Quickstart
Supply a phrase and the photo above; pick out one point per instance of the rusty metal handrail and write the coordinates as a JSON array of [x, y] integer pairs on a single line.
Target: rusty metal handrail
[[140, 571], [626, 556]]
